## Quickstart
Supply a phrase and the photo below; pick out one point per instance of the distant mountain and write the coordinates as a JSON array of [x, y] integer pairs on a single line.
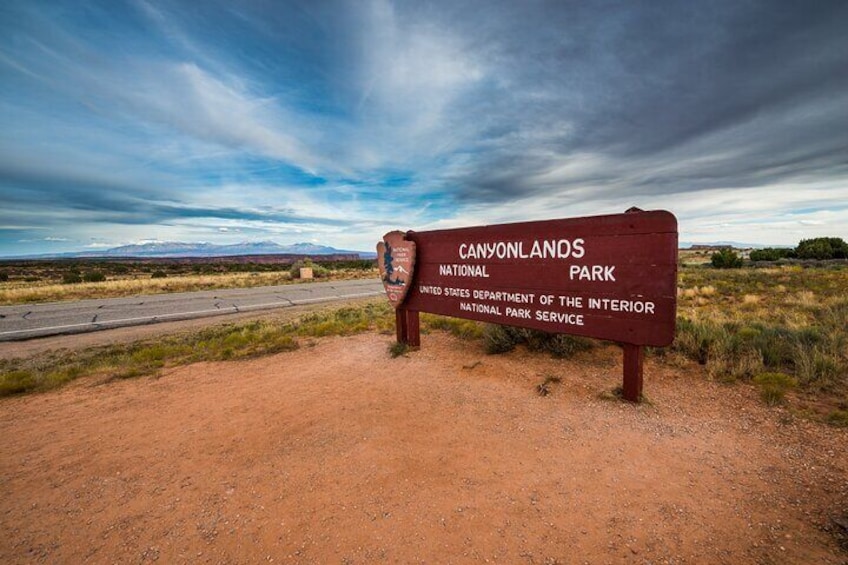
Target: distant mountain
[[173, 249], [734, 244]]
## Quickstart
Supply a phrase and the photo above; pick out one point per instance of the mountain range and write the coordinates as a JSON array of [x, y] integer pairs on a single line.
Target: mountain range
[[164, 249]]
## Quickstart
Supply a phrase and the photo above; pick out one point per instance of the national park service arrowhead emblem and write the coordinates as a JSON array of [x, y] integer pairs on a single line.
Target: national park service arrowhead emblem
[[396, 257]]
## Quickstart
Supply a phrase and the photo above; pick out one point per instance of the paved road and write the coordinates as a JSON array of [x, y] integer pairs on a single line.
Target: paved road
[[38, 320]]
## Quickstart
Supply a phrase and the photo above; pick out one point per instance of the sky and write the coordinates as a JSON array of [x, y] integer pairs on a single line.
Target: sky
[[335, 122]]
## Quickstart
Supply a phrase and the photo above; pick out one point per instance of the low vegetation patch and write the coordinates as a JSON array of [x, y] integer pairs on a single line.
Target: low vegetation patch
[[774, 386], [838, 418], [501, 339], [397, 349], [463, 329], [790, 320]]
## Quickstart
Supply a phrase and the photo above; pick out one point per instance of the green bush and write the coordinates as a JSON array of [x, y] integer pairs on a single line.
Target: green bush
[[726, 259], [159, 275], [774, 386], [94, 276], [4, 277], [501, 339], [71, 278], [397, 349], [771, 254]]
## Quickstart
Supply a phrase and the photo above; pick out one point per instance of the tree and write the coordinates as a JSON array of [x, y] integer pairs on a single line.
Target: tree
[[726, 259], [822, 248]]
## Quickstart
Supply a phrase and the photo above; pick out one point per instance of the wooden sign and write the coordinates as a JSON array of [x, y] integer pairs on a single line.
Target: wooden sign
[[607, 277]]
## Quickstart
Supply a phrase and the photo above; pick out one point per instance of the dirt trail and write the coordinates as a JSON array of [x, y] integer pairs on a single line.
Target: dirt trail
[[337, 453]]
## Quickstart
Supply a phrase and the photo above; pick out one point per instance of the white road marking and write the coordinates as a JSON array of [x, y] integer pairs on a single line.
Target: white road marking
[[196, 313]]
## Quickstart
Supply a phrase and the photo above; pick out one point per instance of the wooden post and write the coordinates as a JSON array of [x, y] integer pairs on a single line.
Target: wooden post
[[400, 325], [634, 355], [413, 329], [407, 327]]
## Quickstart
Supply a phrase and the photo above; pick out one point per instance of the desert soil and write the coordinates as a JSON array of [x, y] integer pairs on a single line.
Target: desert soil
[[337, 453]]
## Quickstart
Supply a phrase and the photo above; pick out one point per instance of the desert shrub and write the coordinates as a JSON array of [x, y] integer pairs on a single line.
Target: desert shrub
[[71, 278], [4, 277], [461, 328], [397, 349], [16, 382], [819, 366], [771, 254], [731, 351], [822, 248], [838, 418], [726, 259], [774, 386], [501, 339], [94, 276], [728, 365], [697, 340], [563, 346], [777, 346], [159, 275]]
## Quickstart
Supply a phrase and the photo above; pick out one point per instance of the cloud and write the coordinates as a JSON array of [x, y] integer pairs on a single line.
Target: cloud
[[337, 119], [649, 98], [203, 107]]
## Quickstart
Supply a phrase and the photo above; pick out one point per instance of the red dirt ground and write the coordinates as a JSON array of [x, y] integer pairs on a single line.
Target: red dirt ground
[[336, 453]]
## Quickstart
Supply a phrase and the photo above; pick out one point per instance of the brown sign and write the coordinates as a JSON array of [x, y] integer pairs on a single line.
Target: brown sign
[[608, 277], [396, 258]]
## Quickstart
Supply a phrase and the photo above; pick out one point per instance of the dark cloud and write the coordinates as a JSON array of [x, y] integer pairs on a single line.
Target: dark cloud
[[636, 81]]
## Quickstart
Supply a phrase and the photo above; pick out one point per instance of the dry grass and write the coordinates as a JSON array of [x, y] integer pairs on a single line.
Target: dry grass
[[783, 320], [27, 292]]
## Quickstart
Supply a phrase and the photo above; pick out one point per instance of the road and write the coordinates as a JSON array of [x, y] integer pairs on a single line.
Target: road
[[26, 321]]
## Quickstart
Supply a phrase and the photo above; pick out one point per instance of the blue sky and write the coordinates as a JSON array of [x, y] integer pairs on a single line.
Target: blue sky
[[335, 122]]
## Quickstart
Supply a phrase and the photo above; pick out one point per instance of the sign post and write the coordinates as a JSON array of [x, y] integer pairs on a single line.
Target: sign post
[[607, 277]]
